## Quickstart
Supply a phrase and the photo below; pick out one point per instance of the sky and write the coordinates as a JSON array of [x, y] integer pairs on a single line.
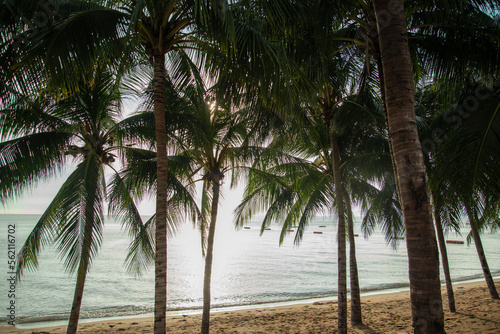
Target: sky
[[36, 200]]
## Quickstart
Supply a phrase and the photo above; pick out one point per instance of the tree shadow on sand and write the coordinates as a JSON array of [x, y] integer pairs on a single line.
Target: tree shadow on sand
[[366, 329]]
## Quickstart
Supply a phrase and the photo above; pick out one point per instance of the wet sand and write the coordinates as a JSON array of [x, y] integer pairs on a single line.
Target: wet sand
[[382, 313]]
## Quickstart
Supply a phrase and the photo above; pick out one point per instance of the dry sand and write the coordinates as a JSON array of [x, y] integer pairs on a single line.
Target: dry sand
[[382, 313]]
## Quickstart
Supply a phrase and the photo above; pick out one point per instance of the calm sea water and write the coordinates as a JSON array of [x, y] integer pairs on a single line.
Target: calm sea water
[[248, 269]]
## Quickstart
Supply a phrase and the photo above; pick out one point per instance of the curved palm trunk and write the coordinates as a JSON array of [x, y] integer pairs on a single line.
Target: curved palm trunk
[[341, 270], [205, 321], [356, 317], [444, 261], [425, 287], [480, 253], [88, 210], [78, 296], [161, 195]]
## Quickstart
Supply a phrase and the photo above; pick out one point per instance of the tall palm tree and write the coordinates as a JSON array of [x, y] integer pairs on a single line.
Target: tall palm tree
[[425, 287], [472, 182], [427, 23], [430, 104], [147, 31], [82, 126], [298, 190], [311, 46], [205, 136], [216, 145]]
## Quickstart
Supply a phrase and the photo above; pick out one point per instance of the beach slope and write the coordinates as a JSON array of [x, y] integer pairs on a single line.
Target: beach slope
[[382, 313]]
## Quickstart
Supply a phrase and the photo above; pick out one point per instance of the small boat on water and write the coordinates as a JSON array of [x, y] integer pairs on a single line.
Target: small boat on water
[[322, 225], [454, 242], [356, 235], [317, 232], [247, 227], [289, 230]]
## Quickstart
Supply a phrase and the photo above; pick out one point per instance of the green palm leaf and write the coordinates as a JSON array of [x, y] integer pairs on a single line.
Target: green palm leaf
[[73, 219], [25, 161]]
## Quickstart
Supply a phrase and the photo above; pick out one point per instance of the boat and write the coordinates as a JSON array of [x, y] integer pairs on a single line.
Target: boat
[[317, 232], [454, 242], [247, 227]]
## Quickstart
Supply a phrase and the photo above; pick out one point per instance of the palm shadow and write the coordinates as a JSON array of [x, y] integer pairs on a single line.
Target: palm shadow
[[366, 329]]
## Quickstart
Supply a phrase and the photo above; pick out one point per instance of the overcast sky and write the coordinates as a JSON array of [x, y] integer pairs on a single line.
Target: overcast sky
[[36, 201]]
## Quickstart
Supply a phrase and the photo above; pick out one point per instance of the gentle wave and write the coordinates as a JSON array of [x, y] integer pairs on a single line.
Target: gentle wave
[[249, 270], [130, 311]]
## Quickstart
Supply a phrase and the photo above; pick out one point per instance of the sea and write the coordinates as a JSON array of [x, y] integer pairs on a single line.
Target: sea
[[249, 269]]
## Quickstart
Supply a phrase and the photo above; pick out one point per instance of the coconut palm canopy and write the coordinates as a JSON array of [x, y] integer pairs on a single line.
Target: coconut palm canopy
[[60, 103]]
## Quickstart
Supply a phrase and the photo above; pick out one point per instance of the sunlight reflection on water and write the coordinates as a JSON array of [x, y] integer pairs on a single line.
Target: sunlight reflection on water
[[247, 269]]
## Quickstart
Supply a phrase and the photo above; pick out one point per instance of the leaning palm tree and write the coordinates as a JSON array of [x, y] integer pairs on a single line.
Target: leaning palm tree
[[427, 44], [430, 104], [81, 128], [427, 309], [296, 191], [471, 148], [146, 31], [312, 47], [216, 145]]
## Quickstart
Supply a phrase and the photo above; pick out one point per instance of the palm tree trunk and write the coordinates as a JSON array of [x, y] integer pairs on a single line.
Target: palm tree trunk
[[161, 195], [341, 270], [382, 96], [444, 260], [205, 321], [356, 317], [425, 287], [480, 253], [77, 299], [83, 266]]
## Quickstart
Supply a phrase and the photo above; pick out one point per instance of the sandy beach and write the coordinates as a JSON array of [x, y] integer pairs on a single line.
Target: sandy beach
[[382, 313]]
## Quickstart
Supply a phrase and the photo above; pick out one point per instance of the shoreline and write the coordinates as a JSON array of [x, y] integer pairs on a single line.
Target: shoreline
[[37, 324], [383, 311]]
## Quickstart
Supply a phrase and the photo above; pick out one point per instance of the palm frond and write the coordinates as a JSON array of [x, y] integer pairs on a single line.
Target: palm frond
[[141, 250], [81, 199], [74, 219], [25, 161]]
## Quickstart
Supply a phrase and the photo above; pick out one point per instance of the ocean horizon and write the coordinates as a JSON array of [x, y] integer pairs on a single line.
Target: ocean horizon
[[248, 269]]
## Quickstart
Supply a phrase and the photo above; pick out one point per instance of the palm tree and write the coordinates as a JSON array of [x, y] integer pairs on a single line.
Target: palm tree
[[427, 24], [471, 183], [205, 136], [475, 223], [82, 126], [213, 148], [312, 47], [444, 256], [429, 104], [301, 189], [427, 309], [146, 31]]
